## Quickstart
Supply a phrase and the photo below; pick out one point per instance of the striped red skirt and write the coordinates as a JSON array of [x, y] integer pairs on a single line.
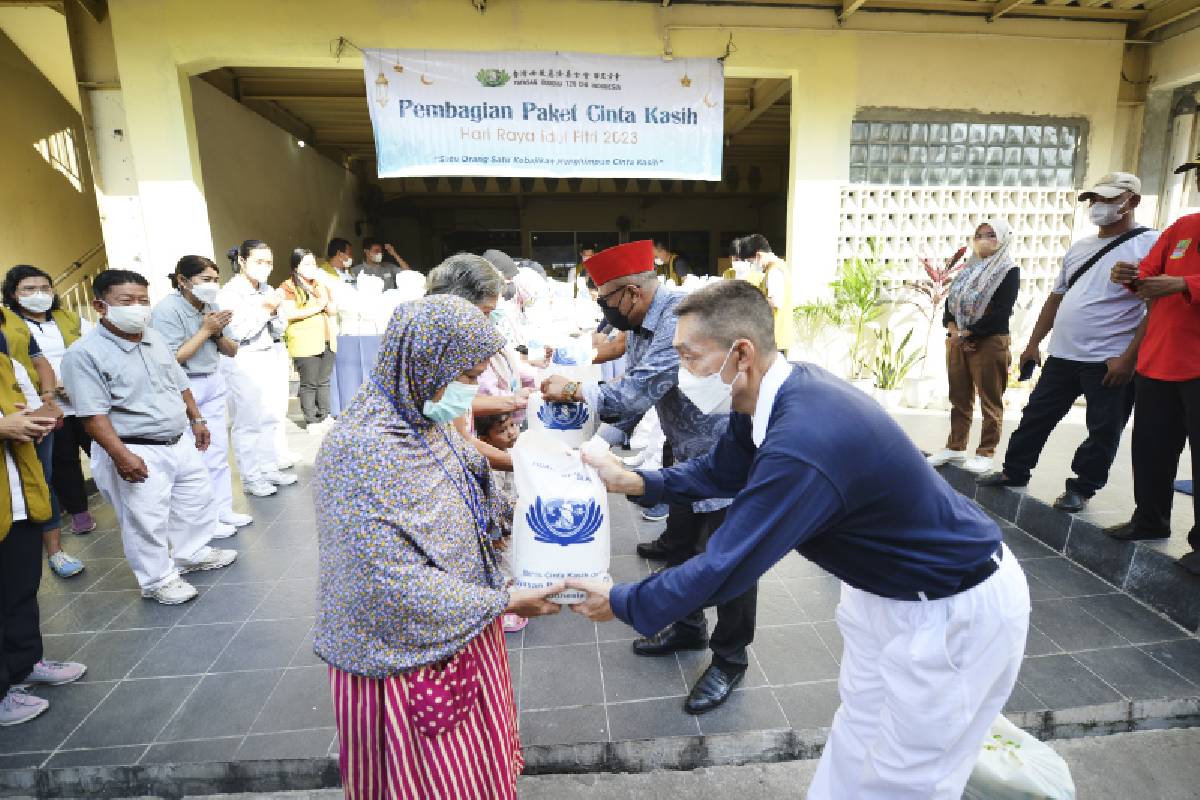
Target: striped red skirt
[[384, 756]]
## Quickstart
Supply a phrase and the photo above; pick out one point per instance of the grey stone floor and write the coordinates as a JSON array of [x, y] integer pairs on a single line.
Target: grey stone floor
[[1112, 505], [231, 675]]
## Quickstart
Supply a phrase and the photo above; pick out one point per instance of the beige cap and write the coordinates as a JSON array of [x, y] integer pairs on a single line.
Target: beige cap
[[1112, 185], [1193, 164]]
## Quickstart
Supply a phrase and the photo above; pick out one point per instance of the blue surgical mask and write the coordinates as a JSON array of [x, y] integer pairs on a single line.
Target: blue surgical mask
[[497, 317], [455, 402]]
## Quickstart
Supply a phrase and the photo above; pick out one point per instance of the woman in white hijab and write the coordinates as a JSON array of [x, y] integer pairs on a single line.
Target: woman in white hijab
[[977, 315]]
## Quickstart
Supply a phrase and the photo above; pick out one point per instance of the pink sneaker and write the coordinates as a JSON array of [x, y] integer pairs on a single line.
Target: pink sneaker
[[514, 623], [17, 707], [55, 673], [82, 523]]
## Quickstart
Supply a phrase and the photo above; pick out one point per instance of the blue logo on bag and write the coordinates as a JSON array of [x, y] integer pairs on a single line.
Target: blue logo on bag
[[564, 522], [565, 357], [564, 416]]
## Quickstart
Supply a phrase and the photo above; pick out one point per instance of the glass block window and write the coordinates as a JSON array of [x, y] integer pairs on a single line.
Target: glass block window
[[963, 154]]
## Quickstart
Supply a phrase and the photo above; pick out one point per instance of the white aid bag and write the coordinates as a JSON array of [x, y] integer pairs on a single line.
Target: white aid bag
[[561, 525], [1014, 765], [572, 424]]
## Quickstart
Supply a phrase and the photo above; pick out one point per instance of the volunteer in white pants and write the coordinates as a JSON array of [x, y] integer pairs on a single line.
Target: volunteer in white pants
[[934, 608], [135, 402], [252, 375], [198, 334]]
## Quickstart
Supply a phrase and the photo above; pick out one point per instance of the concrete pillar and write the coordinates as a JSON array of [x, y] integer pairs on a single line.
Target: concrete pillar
[[142, 141]]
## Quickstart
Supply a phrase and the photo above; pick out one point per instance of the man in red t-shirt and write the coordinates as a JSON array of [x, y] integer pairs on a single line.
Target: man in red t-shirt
[[1167, 410]]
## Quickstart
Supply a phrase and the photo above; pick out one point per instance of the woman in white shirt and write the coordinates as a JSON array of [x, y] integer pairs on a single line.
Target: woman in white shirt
[[258, 389]]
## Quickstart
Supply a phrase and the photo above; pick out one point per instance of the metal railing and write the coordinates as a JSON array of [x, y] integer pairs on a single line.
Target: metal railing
[[74, 285]]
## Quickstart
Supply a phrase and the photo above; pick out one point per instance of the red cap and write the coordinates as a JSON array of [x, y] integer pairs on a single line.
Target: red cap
[[617, 262]]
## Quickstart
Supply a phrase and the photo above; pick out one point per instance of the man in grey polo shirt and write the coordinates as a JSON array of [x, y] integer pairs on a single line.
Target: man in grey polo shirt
[[1098, 327], [136, 404]]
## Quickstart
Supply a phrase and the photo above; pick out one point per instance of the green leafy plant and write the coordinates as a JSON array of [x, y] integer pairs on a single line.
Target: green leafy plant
[[892, 363], [859, 299], [928, 293]]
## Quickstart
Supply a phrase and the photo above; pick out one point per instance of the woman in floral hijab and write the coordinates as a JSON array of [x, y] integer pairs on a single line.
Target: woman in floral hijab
[[410, 594], [978, 309]]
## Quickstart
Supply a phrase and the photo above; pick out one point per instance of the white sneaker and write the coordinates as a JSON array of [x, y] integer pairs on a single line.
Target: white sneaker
[[18, 706], [214, 560], [259, 488], [978, 464], [288, 460], [280, 478], [223, 531], [235, 519], [55, 673], [172, 594], [945, 457]]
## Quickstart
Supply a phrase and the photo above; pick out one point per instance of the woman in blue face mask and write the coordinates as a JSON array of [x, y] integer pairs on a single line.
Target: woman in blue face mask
[[412, 595]]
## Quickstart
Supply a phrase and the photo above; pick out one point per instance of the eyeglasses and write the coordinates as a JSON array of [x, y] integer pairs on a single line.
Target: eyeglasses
[[979, 236], [604, 297]]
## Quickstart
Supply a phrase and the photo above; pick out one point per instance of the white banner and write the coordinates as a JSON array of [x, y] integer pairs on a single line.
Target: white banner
[[544, 114]]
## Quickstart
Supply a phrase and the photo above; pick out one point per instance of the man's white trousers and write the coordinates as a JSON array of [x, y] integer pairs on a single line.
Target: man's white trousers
[[920, 683], [167, 520]]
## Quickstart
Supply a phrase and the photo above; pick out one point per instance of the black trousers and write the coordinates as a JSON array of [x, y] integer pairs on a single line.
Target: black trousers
[[1108, 410], [736, 618], [20, 628], [315, 372], [67, 475], [1167, 415]]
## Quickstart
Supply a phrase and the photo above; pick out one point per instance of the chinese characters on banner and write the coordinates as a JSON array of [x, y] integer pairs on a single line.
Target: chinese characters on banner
[[544, 114]]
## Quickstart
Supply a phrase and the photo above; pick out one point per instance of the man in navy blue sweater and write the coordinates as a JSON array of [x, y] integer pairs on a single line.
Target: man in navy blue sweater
[[934, 608]]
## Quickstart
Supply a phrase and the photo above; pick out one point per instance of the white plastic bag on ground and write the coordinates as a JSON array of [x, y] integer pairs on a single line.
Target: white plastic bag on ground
[[569, 423], [561, 526], [1014, 765]]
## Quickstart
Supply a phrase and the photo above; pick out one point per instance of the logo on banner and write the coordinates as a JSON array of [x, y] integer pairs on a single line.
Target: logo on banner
[[564, 416], [492, 78], [564, 522]]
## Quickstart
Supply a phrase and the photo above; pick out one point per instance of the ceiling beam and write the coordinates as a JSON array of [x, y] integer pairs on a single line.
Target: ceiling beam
[[1003, 7], [1168, 12], [97, 8], [323, 95], [767, 92], [848, 8]]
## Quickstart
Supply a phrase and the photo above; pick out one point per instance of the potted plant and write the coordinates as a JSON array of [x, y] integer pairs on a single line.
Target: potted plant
[[859, 298], [927, 295], [891, 366]]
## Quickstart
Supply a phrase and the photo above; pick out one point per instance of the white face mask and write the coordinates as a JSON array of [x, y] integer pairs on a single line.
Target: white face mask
[[205, 292], [1102, 214], [377, 258], [259, 272], [709, 393], [38, 302], [130, 319], [658, 262], [307, 271]]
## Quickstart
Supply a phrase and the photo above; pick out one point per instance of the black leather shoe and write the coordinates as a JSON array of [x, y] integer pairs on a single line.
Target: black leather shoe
[[1129, 532], [713, 689], [1190, 562], [654, 551], [669, 640], [1071, 502], [999, 479]]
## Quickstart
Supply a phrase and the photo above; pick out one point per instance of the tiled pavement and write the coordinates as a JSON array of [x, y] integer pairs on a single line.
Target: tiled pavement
[[231, 677]]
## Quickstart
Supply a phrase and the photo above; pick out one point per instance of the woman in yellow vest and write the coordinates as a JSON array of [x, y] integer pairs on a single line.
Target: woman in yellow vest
[[311, 336], [35, 323], [24, 506], [670, 265], [754, 262]]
